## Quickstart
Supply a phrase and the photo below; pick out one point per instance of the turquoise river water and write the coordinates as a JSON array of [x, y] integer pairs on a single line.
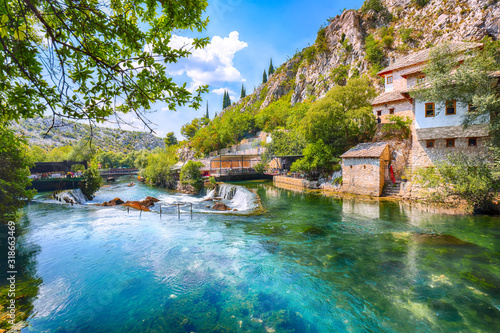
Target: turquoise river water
[[308, 263]]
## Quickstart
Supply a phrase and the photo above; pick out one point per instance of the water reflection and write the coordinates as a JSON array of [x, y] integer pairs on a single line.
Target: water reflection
[[27, 281]]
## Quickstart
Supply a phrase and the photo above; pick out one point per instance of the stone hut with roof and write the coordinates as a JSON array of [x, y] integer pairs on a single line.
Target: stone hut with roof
[[364, 168]]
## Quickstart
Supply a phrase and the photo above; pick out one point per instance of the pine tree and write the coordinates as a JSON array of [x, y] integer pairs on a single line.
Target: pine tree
[[207, 115], [264, 77], [271, 68], [243, 91]]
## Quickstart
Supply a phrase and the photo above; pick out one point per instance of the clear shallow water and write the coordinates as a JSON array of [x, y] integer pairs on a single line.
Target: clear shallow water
[[308, 264]]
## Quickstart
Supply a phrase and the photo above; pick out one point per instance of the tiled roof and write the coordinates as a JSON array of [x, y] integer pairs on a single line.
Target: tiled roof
[[423, 55], [370, 149], [391, 96]]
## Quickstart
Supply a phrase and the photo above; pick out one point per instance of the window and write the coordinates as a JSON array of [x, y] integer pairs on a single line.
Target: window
[[420, 79], [451, 107], [429, 109], [430, 144], [472, 142], [450, 143], [389, 79], [379, 113], [391, 111], [472, 108]]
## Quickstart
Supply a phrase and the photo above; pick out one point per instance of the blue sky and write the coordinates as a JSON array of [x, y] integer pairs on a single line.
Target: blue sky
[[245, 35]]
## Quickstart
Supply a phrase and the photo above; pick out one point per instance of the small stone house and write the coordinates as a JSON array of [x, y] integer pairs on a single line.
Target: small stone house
[[364, 168]]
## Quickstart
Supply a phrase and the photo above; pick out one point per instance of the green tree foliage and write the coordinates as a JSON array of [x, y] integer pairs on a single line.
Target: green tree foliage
[[91, 180], [207, 115], [260, 167], [397, 127], [321, 42], [223, 131], [95, 56], [264, 77], [470, 83], [189, 130], [226, 100], [191, 175], [280, 113], [170, 139], [340, 74], [374, 52], [471, 179], [318, 158], [271, 68], [343, 117], [420, 3], [243, 91], [375, 5], [14, 172], [387, 36], [285, 143], [157, 166], [406, 35]]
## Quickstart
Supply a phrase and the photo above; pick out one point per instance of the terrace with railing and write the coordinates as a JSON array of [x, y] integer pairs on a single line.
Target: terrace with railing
[[247, 147]]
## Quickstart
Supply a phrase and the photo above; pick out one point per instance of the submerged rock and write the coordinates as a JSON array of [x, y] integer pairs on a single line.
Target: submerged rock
[[313, 231], [436, 239], [220, 206]]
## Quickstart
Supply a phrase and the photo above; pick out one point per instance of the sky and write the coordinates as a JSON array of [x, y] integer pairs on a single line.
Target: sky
[[244, 36]]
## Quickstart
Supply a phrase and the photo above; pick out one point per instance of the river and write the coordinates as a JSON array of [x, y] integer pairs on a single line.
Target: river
[[306, 263]]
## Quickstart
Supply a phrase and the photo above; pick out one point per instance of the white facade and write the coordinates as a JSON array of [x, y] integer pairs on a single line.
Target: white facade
[[440, 118]]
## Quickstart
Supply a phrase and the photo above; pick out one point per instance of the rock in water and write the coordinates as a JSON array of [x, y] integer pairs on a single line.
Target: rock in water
[[220, 206], [114, 202], [136, 205]]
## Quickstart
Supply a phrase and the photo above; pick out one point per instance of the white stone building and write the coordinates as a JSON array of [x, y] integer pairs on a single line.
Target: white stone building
[[436, 128]]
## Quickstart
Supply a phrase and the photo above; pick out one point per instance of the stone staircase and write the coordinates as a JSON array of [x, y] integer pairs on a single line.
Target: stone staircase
[[390, 189]]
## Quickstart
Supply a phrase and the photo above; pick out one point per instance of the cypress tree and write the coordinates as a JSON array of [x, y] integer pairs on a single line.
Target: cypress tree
[[243, 91], [226, 101], [264, 77], [207, 115], [271, 68]]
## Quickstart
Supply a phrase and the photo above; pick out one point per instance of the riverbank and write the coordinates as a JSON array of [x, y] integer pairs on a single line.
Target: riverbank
[[455, 207]]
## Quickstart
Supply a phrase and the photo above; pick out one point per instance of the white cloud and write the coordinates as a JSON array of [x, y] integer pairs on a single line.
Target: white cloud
[[213, 64], [220, 91]]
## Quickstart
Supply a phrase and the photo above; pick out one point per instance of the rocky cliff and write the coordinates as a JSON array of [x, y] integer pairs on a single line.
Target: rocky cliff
[[395, 27]]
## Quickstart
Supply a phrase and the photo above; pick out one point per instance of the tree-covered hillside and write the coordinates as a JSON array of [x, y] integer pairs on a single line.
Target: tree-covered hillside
[[69, 133]]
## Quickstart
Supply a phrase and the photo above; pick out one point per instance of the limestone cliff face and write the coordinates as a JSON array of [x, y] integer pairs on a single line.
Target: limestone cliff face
[[341, 53]]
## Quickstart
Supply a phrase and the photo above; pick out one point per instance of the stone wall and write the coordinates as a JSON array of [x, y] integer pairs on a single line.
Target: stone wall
[[425, 157], [295, 182], [362, 176]]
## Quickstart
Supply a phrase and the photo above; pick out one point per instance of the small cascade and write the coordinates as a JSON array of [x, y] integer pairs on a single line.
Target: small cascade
[[210, 194], [239, 197], [75, 196], [227, 191]]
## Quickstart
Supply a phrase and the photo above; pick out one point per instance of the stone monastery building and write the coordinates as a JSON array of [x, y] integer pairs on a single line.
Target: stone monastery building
[[436, 128]]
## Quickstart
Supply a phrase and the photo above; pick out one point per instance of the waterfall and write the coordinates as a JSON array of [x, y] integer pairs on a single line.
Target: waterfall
[[239, 197], [71, 196]]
